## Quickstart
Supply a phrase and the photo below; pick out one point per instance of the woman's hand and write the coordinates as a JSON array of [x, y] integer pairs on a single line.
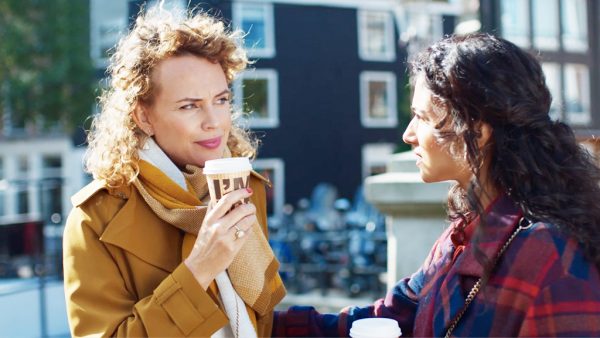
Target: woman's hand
[[217, 242]]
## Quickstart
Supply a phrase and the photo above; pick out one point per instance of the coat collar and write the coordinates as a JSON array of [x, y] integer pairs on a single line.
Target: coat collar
[[501, 220], [136, 229]]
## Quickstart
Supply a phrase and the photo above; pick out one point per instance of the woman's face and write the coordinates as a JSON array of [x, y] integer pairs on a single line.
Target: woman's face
[[435, 161], [190, 117]]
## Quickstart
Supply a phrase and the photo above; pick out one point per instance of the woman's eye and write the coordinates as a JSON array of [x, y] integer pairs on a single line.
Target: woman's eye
[[223, 100], [188, 106]]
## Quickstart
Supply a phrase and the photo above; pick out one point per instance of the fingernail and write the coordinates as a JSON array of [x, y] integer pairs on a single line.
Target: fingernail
[[249, 190]]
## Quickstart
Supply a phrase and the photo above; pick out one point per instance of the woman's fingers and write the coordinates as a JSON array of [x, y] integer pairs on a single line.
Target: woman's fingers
[[245, 224], [238, 213], [224, 205], [220, 239]]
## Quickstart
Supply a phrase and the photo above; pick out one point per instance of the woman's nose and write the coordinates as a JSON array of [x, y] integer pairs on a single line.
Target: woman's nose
[[211, 118], [409, 136]]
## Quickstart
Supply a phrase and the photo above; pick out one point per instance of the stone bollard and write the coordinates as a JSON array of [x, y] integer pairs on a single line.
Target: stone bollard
[[415, 213]]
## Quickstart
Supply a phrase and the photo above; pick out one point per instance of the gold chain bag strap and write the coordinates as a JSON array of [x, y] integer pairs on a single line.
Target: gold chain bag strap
[[523, 224]]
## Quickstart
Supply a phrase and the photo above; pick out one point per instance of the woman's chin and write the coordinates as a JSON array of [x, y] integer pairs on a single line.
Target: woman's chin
[[428, 178], [201, 162]]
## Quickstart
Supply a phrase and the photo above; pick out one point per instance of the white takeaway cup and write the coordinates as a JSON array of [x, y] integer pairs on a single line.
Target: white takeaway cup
[[225, 175], [375, 328]]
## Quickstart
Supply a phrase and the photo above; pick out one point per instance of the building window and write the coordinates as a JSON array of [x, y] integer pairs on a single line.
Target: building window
[[545, 29], [256, 92], [108, 21], [3, 188], [559, 30], [574, 25], [378, 99], [257, 22], [375, 157], [174, 6], [273, 170], [515, 21], [577, 93], [51, 190], [376, 36], [22, 185], [552, 74]]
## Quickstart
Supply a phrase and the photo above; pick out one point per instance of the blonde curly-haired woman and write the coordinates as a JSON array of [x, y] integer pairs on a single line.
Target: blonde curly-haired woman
[[144, 253]]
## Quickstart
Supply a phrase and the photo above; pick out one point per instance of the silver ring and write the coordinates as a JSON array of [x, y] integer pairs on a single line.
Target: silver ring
[[239, 233]]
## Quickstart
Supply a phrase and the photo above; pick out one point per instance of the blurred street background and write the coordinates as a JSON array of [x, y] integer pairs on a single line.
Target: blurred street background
[[329, 98]]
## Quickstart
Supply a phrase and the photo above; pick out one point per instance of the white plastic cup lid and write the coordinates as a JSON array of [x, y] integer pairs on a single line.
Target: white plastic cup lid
[[375, 328], [227, 165]]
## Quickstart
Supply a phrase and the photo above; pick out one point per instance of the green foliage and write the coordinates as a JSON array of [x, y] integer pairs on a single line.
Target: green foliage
[[45, 69], [404, 101]]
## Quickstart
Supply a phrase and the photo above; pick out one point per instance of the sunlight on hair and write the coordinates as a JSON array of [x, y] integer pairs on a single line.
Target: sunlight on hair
[[173, 8]]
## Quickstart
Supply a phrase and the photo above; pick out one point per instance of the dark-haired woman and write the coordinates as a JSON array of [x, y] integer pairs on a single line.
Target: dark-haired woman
[[522, 254]]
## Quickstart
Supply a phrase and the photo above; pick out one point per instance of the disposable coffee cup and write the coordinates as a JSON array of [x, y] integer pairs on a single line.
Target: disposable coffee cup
[[375, 328], [226, 175]]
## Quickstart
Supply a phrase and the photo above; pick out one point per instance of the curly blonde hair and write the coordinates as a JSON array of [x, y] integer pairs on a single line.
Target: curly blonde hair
[[114, 138]]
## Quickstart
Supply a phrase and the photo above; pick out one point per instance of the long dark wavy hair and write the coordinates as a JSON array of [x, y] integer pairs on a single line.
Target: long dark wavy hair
[[533, 159]]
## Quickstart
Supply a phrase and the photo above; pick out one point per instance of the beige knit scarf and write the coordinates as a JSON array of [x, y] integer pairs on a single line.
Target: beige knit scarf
[[253, 272]]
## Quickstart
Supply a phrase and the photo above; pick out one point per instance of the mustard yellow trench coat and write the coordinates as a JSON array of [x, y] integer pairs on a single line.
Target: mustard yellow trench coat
[[124, 275]]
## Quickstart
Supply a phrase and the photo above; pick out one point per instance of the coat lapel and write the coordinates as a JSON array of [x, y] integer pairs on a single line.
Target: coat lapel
[[501, 220], [136, 229]]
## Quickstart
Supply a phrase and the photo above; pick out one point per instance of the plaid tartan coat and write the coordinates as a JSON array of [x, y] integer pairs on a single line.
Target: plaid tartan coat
[[541, 286]]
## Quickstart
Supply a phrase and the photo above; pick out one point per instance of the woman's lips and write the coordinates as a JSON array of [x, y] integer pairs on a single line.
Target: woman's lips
[[212, 143], [419, 159]]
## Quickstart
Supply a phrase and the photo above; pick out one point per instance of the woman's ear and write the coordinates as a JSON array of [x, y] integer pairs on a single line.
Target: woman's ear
[[140, 117], [485, 133]]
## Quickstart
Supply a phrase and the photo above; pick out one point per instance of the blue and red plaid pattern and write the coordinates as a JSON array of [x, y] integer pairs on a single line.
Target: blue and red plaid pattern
[[541, 286]]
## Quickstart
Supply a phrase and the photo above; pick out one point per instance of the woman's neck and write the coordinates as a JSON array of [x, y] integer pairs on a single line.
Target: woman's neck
[[486, 193], [487, 197]]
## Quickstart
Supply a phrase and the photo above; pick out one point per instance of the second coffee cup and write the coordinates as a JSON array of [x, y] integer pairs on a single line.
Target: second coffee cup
[[375, 328]]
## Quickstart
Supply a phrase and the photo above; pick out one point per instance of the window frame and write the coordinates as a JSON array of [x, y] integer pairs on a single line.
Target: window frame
[[271, 75], [269, 50], [168, 4], [568, 45], [583, 118], [278, 182], [526, 40], [557, 98], [4, 186], [540, 42], [375, 154], [389, 78], [96, 24], [388, 55], [564, 56]]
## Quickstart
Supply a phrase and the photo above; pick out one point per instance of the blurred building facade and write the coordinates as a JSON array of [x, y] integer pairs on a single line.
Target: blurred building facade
[[327, 93], [566, 36]]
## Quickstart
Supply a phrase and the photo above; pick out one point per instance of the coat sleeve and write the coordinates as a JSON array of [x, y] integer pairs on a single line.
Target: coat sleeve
[[400, 304], [100, 304], [305, 321]]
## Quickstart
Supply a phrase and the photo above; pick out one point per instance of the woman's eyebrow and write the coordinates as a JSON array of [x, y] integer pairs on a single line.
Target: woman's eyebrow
[[189, 99], [226, 91], [415, 111], [194, 99]]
